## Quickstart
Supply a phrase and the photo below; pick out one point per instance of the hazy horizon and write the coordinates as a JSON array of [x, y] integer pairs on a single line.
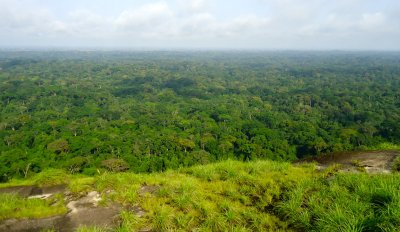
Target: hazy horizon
[[315, 25], [177, 49]]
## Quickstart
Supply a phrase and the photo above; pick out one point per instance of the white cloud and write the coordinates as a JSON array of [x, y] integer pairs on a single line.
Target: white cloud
[[372, 21], [194, 6], [149, 15], [204, 23], [16, 19], [246, 25]]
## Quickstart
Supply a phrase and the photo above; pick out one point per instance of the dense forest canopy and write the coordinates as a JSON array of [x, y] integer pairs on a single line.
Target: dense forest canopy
[[150, 111]]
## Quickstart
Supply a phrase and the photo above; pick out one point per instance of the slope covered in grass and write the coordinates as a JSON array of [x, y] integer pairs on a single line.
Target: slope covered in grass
[[258, 196], [345, 202], [228, 196], [249, 196]]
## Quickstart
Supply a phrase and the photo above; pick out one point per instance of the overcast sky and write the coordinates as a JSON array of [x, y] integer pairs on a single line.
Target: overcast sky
[[202, 24]]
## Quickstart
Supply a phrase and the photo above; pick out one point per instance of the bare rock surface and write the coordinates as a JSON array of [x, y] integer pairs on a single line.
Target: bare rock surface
[[368, 161], [83, 211], [34, 191]]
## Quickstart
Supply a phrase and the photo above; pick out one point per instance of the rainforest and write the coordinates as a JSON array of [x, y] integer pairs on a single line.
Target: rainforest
[[202, 140]]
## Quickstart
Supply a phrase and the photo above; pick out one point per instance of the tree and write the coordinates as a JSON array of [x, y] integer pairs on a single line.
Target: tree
[[58, 146], [186, 144]]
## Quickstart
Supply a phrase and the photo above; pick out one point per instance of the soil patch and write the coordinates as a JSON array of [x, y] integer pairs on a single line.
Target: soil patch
[[369, 161]]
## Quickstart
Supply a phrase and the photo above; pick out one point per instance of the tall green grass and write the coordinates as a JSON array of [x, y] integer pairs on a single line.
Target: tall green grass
[[344, 202], [51, 177], [384, 146], [227, 196], [14, 206], [47, 177], [234, 196]]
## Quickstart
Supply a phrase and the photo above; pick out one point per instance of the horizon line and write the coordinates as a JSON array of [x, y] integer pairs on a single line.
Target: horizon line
[[179, 49]]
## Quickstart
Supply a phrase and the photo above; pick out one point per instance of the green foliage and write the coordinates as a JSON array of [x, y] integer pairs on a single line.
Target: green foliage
[[76, 164], [163, 110], [65, 113], [58, 146]]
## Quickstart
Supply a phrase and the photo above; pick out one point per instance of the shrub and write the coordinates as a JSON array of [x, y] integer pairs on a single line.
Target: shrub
[[115, 165], [396, 165]]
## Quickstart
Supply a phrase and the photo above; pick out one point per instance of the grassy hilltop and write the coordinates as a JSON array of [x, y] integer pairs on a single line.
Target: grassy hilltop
[[232, 196]]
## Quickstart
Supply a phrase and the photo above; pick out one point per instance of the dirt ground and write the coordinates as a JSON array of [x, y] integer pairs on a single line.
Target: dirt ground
[[368, 161]]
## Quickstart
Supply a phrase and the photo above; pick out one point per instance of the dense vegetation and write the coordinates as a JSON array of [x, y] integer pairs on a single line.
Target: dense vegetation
[[151, 111], [232, 196]]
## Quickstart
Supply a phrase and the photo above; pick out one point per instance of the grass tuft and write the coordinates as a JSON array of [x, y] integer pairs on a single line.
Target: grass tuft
[[51, 177], [14, 206]]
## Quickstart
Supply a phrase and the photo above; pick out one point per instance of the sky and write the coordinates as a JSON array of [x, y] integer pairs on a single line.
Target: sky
[[202, 24]]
